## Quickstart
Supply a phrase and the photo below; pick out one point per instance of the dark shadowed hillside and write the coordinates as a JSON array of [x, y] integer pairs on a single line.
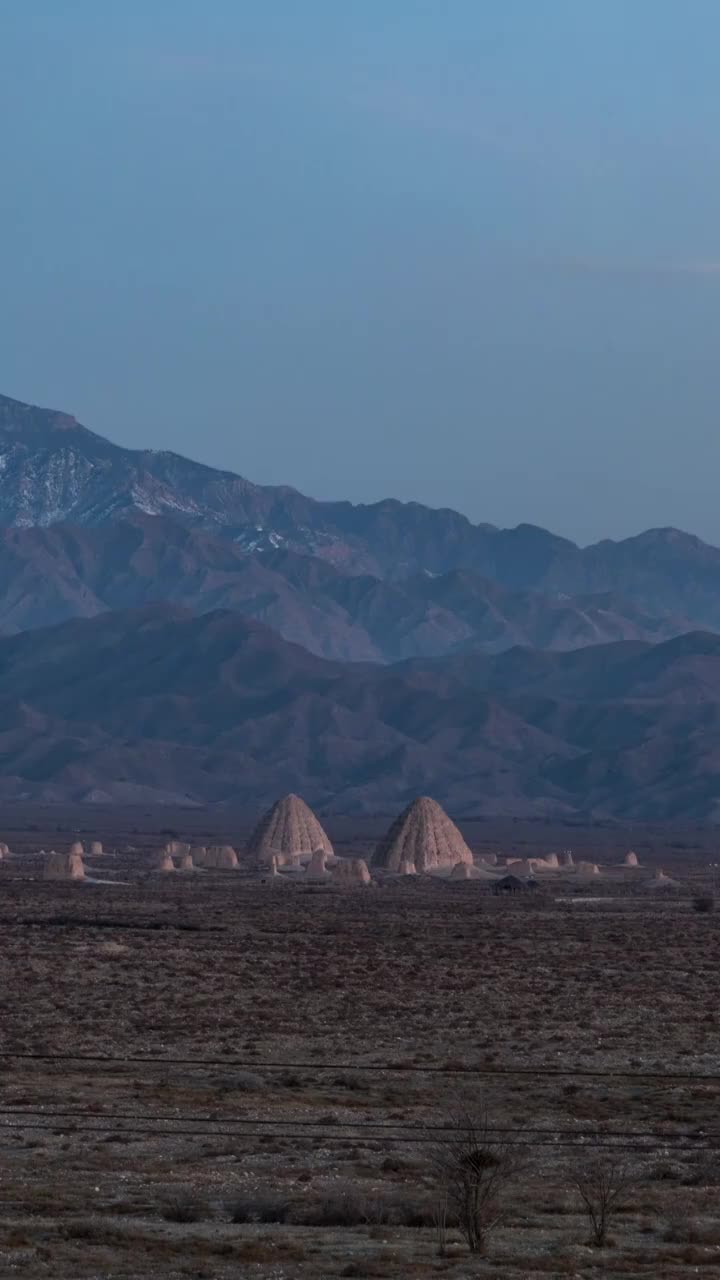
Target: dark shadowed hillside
[[159, 704], [50, 574]]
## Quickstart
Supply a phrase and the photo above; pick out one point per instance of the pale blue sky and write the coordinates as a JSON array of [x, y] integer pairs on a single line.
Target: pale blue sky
[[462, 251]]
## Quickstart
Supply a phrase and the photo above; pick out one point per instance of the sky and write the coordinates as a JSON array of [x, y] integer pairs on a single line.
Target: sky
[[463, 252]]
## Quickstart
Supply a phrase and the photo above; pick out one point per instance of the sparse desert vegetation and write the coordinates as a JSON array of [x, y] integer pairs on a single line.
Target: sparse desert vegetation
[[266, 1071]]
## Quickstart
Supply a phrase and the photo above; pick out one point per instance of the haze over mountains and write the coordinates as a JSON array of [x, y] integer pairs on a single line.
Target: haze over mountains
[[163, 705], [49, 574], [186, 698]]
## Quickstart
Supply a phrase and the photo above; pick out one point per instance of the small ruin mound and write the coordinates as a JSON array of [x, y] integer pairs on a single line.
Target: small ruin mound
[[165, 862], [461, 871], [270, 874], [64, 866], [4, 849], [186, 863], [96, 849], [220, 857], [631, 860], [424, 836], [522, 867], [662, 881], [566, 859], [290, 827], [316, 866], [351, 871], [588, 869], [77, 848]]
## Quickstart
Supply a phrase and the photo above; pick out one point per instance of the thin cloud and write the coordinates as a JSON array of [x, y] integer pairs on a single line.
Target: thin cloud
[[430, 114], [701, 268], [405, 106]]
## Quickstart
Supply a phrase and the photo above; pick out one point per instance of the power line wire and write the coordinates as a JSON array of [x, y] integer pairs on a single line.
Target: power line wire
[[450, 1069], [20, 1112]]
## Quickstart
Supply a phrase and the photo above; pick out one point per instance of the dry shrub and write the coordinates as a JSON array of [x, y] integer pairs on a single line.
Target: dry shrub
[[265, 1209], [343, 1208], [113, 950], [93, 1232], [666, 1171], [690, 1231], [474, 1172], [258, 1251], [240, 1082], [601, 1180], [340, 1209], [696, 1256], [352, 1082], [185, 1207]]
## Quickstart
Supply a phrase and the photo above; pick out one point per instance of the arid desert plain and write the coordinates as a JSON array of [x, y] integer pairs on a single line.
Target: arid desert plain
[[226, 1073]]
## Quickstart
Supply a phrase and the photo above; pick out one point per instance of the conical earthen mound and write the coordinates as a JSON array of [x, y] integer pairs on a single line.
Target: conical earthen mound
[[290, 827], [424, 836], [96, 849], [165, 863], [631, 859]]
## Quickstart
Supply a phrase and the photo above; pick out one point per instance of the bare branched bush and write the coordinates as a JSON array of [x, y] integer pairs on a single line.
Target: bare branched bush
[[184, 1207], [260, 1208], [441, 1227], [601, 1180], [474, 1170]]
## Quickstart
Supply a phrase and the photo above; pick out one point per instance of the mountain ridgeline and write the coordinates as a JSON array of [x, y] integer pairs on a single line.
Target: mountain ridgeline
[[160, 705], [456, 583], [223, 641]]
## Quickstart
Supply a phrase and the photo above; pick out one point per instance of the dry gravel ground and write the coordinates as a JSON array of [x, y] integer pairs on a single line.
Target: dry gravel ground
[[133, 1169]]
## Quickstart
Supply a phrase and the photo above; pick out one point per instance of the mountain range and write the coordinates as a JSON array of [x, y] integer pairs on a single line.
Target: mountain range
[[160, 705], [222, 641], [49, 574], [379, 582]]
